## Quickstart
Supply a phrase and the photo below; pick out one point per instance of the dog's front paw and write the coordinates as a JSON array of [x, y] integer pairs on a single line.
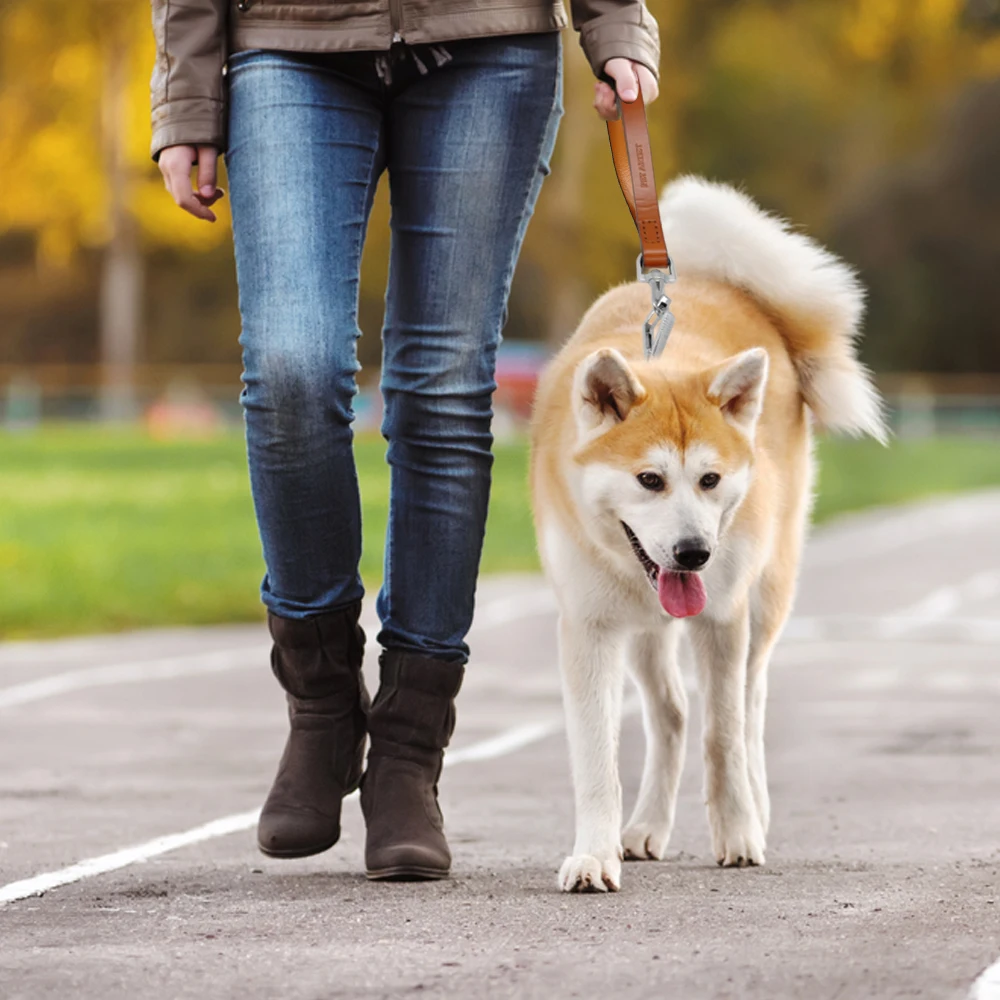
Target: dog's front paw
[[738, 843], [586, 873], [645, 841]]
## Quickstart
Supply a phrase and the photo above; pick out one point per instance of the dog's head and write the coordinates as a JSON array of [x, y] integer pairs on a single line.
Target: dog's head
[[665, 462]]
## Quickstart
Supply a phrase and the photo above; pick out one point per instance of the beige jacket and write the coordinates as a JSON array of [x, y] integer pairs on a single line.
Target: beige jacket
[[194, 38]]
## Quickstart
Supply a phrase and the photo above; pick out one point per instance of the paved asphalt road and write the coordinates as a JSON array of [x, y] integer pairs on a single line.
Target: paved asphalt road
[[883, 874]]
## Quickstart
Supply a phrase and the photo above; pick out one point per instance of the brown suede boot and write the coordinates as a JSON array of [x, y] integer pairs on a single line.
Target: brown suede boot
[[318, 663], [410, 723]]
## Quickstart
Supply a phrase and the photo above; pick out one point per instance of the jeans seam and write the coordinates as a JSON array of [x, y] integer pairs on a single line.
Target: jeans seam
[[367, 199], [527, 211]]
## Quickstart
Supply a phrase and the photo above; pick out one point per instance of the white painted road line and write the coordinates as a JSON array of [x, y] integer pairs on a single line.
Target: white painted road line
[[987, 986], [876, 679], [892, 628], [38, 884], [946, 602], [496, 746], [131, 673], [929, 618], [504, 743], [507, 742], [502, 611], [882, 530], [842, 628]]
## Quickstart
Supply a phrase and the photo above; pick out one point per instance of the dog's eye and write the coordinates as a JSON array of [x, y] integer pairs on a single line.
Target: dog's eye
[[651, 481], [709, 481]]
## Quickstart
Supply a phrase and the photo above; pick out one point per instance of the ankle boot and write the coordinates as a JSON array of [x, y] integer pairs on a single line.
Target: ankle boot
[[318, 663], [410, 723]]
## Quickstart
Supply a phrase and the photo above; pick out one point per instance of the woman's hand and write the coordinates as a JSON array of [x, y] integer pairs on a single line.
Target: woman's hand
[[628, 75], [176, 163]]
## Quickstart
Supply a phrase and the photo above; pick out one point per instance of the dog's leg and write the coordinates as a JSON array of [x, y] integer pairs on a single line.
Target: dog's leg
[[761, 646], [593, 677], [653, 663], [772, 605], [721, 648]]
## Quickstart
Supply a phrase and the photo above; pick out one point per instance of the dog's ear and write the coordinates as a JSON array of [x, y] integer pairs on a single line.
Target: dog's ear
[[605, 390], [737, 388]]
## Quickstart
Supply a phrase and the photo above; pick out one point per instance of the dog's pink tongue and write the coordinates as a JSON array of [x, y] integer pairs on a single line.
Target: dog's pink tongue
[[681, 594]]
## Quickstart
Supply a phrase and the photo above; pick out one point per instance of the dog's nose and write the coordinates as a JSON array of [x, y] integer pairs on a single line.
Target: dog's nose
[[691, 553]]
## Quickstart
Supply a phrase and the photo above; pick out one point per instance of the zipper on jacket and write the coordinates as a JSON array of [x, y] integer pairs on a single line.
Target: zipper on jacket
[[395, 20]]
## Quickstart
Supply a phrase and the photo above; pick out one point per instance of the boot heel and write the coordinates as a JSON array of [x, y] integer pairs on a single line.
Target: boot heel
[[407, 873]]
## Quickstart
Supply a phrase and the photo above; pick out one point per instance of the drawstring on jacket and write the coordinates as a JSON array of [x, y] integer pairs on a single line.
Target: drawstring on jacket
[[441, 55], [383, 63]]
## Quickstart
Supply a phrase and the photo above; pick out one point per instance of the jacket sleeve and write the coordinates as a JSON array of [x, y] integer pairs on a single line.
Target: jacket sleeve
[[187, 86], [612, 29]]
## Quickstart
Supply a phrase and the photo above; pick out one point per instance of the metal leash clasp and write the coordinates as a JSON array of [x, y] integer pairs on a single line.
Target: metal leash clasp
[[660, 320]]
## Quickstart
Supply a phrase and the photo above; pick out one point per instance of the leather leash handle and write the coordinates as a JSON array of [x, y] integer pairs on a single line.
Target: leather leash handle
[[630, 149]]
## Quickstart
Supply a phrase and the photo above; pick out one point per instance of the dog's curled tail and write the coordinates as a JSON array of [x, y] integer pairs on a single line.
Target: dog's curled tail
[[715, 231]]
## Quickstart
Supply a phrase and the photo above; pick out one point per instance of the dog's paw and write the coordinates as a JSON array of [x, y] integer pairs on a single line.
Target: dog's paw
[[645, 841], [585, 873], [740, 843]]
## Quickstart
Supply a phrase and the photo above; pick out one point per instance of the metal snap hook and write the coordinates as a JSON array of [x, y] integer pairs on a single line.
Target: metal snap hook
[[660, 320]]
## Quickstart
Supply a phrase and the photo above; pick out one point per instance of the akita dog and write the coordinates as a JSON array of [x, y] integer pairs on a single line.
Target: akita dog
[[679, 489]]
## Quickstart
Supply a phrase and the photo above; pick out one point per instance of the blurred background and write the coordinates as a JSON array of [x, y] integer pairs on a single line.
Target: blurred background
[[874, 124]]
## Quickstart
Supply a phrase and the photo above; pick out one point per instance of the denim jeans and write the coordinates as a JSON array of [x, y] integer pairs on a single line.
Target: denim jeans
[[466, 132]]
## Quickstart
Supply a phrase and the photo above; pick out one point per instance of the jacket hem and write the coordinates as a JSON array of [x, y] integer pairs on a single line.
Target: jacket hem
[[639, 50], [187, 131], [612, 37], [336, 36]]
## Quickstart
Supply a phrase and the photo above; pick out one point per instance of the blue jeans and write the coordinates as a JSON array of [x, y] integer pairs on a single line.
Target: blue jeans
[[466, 132]]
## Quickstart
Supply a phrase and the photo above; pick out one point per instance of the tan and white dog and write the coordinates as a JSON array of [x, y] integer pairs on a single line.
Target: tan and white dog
[[680, 488]]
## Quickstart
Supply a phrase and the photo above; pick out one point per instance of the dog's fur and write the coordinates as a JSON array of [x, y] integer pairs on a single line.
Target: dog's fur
[[765, 327]]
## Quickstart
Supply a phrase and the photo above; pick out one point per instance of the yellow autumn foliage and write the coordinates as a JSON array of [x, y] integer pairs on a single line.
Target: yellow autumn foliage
[[74, 96]]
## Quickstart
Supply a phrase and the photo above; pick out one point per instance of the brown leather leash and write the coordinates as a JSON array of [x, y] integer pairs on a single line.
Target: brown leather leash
[[630, 149]]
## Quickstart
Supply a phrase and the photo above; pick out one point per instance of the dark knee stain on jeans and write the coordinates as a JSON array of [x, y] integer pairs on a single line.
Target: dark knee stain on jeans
[[294, 400]]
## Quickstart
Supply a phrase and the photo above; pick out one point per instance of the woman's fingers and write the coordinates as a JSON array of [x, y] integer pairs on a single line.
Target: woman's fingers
[[628, 76], [650, 88], [622, 71], [626, 85], [208, 157], [176, 163], [604, 101]]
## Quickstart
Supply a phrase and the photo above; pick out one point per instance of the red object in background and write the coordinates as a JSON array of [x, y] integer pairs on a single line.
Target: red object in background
[[182, 411], [518, 367]]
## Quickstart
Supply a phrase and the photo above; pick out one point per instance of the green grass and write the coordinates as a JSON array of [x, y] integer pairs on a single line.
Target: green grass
[[854, 475], [103, 530]]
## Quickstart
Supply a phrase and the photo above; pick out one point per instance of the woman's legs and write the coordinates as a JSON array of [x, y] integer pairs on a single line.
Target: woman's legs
[[467, 147], [304, 158]]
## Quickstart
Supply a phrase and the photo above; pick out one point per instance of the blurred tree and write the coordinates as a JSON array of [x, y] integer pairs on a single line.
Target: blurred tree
[[927, 239], [818, 107], [74, 83], [74, 111]]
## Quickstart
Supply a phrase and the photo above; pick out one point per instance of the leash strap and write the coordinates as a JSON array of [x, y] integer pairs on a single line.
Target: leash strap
[[633, 158]]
